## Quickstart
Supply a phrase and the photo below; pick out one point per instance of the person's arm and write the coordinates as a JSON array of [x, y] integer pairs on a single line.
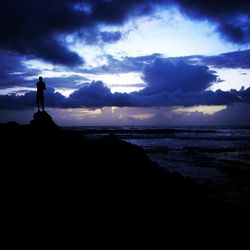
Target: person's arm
[[44, 86]]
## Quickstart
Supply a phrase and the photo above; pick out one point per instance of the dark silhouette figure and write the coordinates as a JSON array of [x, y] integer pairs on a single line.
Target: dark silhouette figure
[[40, 85]]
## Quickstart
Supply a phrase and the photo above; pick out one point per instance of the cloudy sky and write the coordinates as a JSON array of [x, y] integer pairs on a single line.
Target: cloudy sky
[[133, 62]]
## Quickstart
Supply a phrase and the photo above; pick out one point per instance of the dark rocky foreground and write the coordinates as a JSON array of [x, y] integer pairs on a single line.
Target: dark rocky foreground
[[63, 190]]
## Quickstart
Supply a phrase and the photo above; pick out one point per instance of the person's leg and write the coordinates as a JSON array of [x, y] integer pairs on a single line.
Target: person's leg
[[42, 102], [37, 103]]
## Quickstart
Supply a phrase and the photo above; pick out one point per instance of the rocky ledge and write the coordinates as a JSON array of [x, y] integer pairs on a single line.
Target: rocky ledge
[[62, 189]]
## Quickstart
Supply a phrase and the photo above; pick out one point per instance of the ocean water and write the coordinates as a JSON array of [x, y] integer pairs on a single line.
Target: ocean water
[[218, 157]]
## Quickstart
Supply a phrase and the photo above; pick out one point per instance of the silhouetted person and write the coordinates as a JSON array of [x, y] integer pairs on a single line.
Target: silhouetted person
[[40, 85]]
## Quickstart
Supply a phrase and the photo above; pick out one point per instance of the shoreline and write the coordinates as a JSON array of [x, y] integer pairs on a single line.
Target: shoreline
[[112, 188]]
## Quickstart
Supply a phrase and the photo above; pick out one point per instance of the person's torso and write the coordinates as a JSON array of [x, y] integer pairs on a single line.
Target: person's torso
[[40, 87]]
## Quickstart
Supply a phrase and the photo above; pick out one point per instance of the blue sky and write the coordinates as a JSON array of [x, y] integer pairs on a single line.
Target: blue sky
[[143, 63]]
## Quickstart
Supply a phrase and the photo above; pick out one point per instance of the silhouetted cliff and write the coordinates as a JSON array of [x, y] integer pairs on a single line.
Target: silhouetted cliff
[[62, 188]]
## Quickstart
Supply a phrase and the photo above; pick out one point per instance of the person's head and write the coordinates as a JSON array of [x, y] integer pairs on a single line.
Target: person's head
[[40, 78]]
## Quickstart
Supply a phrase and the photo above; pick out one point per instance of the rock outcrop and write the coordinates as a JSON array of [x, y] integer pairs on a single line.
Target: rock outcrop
[[43, 120]]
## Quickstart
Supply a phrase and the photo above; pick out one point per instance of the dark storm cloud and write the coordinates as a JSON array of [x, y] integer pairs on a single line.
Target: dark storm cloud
[[39, 27], [94, 36], [124, 65], [72, 81], [13, 101], [13, 72], [238, 33], [97, 95], [236, 59], [180, 98], [237, 114], [163, 75], [231, 17], [31, 28], [168, 84], [111, 37]]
